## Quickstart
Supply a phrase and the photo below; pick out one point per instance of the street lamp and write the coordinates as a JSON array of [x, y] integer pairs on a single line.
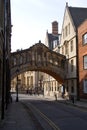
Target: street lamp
[[17, 87]]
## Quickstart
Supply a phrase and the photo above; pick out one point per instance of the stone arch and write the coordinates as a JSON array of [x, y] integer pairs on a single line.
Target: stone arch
[[40, 58]]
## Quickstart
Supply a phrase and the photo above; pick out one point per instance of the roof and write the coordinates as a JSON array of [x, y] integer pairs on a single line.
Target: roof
[[78, 15], [52, 37]]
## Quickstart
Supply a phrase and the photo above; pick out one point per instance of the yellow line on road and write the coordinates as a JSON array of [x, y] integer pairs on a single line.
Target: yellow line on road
[[55, 127]]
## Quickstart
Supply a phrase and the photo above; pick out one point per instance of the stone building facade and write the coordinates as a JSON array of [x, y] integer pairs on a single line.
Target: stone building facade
[[52, 41], [1, 49], [73, 17], [68, 48], [28, 82], [5, 49]]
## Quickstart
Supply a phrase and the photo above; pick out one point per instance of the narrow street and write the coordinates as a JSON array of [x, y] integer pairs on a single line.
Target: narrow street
[[64, 117], [41, 113]]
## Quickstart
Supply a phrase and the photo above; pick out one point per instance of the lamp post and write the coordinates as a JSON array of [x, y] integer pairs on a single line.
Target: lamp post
[[17, 99]]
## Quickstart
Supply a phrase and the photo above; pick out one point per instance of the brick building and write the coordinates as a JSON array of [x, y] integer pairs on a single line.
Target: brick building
[[82, 59]]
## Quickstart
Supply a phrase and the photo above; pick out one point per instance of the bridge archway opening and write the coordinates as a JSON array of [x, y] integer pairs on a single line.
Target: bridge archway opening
[[33, 83], [49, 72]]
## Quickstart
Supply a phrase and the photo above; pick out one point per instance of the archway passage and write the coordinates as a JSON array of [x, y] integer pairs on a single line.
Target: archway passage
[[38, 58]]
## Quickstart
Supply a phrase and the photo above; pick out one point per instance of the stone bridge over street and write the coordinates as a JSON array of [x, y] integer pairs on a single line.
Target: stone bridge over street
[[38, 58]]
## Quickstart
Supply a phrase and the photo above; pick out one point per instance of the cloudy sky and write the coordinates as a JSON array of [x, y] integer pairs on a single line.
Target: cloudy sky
[[32, 18]]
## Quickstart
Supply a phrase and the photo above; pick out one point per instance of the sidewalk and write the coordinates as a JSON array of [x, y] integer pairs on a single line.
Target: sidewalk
[[16, 118], [80, 104]]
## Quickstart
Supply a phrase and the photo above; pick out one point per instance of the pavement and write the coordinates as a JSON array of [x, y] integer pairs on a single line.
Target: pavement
[[17, 118], [80, 104]]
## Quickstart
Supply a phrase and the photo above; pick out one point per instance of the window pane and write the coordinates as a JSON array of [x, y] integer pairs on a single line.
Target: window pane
[[71, 45], [55, 43], [85, 62], [85, 38], [66, 49]]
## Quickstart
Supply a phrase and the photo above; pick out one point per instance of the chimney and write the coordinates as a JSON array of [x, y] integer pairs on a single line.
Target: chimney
[[55, 28]]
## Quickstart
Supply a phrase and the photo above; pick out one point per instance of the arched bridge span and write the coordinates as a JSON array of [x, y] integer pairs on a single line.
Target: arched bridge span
[[38, 58]]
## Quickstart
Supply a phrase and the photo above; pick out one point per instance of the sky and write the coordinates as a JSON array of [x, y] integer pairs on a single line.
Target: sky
[[32, 18]]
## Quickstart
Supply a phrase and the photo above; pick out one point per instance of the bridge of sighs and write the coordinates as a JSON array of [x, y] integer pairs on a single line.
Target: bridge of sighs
[[38, 58]]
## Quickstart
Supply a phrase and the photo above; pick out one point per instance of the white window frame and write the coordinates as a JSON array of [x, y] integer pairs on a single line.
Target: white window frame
[[85, 62], [85, 39]]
